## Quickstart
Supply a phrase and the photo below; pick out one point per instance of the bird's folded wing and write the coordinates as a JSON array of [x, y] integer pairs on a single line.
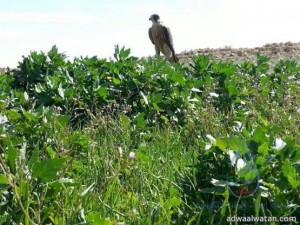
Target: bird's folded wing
[[150, 35], [169, 41]]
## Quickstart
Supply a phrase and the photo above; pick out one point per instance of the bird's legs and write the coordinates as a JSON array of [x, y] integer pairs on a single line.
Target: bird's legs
[[157, 52]]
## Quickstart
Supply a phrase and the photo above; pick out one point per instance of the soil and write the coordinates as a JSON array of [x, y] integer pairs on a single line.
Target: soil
[[276, 52]]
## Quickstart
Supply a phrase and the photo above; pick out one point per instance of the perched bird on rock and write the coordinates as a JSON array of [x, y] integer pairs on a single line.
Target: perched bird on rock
[[161, 37]]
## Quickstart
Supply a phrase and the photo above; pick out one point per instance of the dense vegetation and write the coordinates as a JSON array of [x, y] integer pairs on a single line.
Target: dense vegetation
[[143, 141]]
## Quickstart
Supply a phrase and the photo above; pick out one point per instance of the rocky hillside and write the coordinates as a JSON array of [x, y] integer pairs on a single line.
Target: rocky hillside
[[2, 70], [275, 51]]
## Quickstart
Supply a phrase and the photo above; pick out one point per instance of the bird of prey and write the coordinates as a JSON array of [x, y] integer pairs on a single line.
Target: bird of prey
[[161, 37]]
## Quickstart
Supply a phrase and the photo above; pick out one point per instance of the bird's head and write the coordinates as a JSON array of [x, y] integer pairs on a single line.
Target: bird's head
[[154, 18]]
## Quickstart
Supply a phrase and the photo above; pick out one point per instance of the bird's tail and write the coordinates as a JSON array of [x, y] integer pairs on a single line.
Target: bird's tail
[[175, 58]]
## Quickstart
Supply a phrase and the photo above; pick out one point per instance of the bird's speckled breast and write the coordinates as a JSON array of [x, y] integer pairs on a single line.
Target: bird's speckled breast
[[158, 37]]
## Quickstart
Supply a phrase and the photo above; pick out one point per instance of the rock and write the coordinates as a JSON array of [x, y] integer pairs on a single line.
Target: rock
[[2, 70]]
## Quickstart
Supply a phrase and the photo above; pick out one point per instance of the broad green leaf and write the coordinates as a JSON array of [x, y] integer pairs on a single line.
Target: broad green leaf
[[297, 155], [260, 160], [222, 144], [232, 90], [173, 191], [124, 53], [53, 52], [172, 202], [3, 179], [246, 133], [233, 143], [63, 120], [34, 157], [51, 152], [140, 121], [156, 98], [116, 81], [46, 170], [102, 92], [156, 107], [237, 144], [177, 77], [24, 188], [251, 175], [13, 115], [264, 149], [290, 173], [259, 135], [29, 115], [231, 87], [4, 185], [70, 92]]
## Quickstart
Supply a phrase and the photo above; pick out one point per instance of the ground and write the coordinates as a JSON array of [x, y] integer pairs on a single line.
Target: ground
[[275, 51]]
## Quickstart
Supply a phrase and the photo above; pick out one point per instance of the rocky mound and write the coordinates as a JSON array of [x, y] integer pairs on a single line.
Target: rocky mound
[[275, 51]]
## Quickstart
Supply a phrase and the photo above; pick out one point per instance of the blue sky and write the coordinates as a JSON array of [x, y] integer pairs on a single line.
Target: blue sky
[[93, 27]]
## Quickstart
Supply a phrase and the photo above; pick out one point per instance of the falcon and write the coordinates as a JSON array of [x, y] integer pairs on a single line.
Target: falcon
[[161, 38]]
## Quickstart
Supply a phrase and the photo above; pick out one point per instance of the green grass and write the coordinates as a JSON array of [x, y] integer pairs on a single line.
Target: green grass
[[140, 190]]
